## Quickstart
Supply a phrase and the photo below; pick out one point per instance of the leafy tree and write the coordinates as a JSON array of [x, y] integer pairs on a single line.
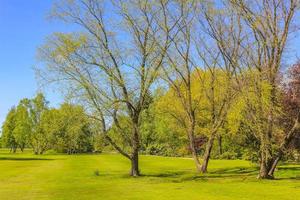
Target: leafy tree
[[290, 118], [67, 129], [23, 125], [109, 75], [8, 139], [38, 138]]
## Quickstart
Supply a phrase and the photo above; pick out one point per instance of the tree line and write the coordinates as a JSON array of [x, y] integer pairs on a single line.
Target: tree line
[[32, 124], [217, 61]]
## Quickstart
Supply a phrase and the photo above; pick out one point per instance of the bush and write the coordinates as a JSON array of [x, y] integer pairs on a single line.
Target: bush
[[251, 156], [229, 155]]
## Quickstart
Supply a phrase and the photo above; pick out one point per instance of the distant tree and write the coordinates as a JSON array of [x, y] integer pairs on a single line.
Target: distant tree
[[8, 139], [67, 129], [23, 125], [77, 135], [38, 139]]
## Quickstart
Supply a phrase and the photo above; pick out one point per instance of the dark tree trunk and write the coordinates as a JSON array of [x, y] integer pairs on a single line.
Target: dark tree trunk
[[135, 165], [220, 145], [265, 166], [135, 149]]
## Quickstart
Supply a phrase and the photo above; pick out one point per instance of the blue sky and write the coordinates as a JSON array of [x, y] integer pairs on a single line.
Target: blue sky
[[23, 26]]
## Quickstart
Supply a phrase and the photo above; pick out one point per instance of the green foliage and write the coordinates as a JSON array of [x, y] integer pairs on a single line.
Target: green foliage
[[8, 139], [39, 140], [66, 129], [23, 124]]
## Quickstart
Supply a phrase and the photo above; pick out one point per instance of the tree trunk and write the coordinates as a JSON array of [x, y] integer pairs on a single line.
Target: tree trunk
[[135, 165], [286, 141], [266, 160], [193, 149], [265, 167], [207, 153], [195, 157], [220, 145], [266, 137], [135, 149]]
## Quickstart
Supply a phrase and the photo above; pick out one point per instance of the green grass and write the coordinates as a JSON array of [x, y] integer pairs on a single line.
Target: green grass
[[26, 176]]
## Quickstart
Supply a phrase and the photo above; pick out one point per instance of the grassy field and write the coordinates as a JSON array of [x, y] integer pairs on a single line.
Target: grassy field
[[25, 176]]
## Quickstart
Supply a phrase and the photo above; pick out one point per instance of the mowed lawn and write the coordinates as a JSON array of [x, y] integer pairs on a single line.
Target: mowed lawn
[[26, 176]]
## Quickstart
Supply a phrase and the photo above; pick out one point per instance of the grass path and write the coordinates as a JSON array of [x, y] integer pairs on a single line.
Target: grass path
[[62, 177]]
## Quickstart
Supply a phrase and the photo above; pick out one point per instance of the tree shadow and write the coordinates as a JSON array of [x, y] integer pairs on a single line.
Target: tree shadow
[[238, 173], [168, 174], [24, 159], [290, 168]]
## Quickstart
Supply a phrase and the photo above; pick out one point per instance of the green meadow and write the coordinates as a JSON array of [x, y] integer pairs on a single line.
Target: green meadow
[[105, 176]]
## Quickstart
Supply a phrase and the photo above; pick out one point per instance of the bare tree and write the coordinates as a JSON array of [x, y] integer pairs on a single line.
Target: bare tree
[[264, 27], [218, 48], [110, 65], [194, 60]]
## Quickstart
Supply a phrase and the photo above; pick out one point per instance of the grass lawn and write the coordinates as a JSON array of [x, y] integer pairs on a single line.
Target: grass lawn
[[26, 176]]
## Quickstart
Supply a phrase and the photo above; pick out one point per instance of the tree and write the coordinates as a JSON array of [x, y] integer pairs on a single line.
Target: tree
[[269, 24], [38, 137], [263, 28], [8, 127], [192, 59], [291, 108], [23, 124], [68, 128], [110, 69]]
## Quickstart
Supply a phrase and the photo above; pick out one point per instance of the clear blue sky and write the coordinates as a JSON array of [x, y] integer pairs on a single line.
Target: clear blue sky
[[23, 27]]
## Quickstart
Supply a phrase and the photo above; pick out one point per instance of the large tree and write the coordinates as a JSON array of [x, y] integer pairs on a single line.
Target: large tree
[[264, 28], [109, 65], [290, 119], [193, 61]]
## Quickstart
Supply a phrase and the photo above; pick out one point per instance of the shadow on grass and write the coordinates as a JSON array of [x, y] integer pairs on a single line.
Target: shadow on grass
[[237, 173], [175, 174], [23, 159]]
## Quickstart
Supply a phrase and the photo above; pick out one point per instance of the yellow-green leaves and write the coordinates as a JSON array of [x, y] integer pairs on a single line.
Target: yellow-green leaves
[[68, 44]]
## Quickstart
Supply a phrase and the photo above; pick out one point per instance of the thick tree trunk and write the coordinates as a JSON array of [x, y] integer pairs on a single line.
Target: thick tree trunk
[[265, 167], [135, 149], [135, 165], [207, 153], [266, 160]]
